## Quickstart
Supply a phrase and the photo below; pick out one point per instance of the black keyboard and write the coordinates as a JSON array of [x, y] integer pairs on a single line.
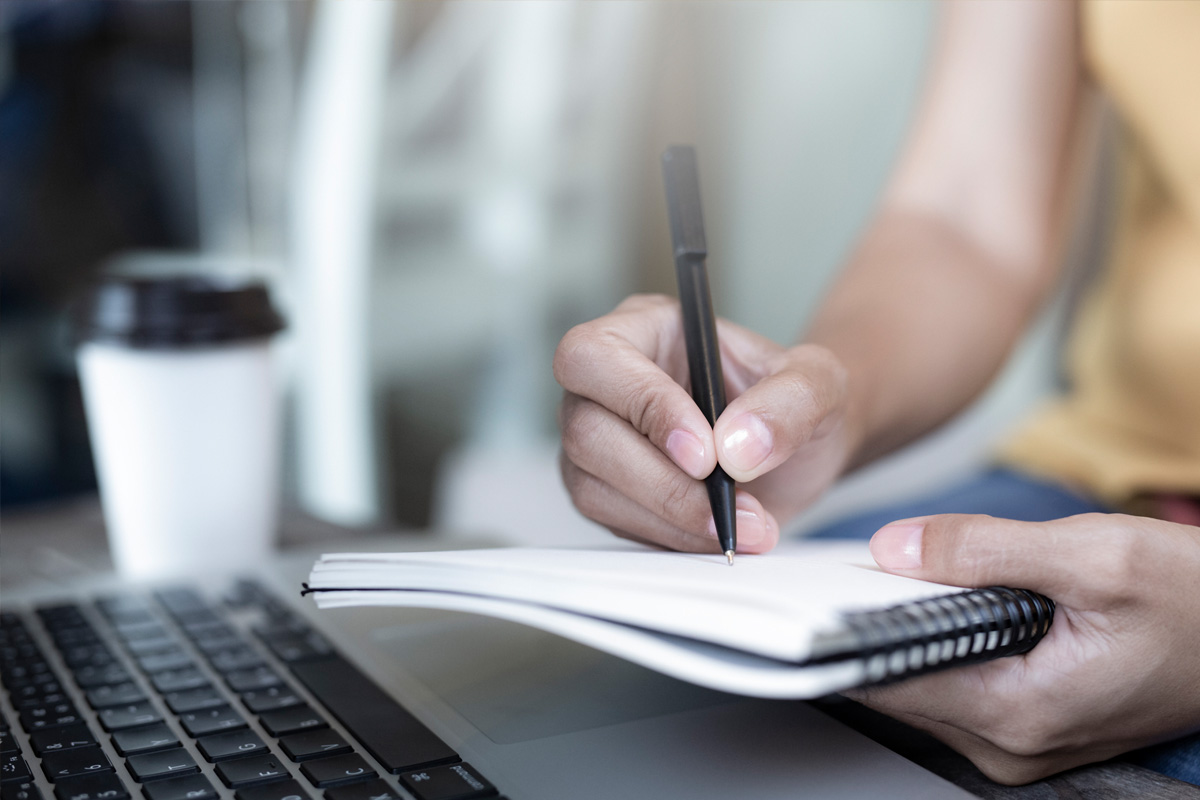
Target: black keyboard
[[178, 698]]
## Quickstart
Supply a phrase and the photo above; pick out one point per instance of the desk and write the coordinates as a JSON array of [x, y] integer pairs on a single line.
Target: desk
[[66, 543]]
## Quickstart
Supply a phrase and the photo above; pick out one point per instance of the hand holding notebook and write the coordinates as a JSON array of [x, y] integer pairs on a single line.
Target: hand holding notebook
[[1119, 669]]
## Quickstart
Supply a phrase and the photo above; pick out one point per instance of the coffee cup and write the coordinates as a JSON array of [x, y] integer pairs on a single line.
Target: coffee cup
[[183, 409]]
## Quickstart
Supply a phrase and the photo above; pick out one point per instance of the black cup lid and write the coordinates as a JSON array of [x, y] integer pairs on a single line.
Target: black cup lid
[[175, 311]]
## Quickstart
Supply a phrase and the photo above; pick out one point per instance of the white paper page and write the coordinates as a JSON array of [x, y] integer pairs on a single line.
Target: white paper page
[[696, 662], [772, 605]]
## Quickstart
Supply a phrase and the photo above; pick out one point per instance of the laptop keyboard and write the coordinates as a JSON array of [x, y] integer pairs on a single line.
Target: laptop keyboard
[[172, 697]]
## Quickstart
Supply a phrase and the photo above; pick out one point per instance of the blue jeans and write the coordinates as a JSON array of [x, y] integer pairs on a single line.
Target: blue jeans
[[1005, 493]]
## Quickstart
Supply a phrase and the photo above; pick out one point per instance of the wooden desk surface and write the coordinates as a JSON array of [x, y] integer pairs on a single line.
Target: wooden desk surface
[[59, 544]]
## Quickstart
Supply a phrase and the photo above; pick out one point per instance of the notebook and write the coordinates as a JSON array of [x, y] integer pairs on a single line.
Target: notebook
[[802, 622]]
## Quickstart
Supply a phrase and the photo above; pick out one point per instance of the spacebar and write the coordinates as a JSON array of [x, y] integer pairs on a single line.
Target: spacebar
[[394, 737]]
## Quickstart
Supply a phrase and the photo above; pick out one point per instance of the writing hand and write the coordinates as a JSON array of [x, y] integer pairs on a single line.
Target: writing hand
[[636, 447]]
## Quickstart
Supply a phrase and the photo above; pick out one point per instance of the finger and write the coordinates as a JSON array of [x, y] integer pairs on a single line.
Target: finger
[[800, 398], [992, 714], [1085, 558], [599, 501], [612, 361], [604, 446]]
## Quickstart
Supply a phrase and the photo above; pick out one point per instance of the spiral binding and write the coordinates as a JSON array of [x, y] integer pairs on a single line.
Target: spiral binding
[[927, 635]]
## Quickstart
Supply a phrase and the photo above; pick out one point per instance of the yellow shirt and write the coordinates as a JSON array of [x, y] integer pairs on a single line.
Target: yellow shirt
[[1130, 422]]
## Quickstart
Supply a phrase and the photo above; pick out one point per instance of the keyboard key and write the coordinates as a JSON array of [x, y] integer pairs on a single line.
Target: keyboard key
[[143, 631], [255, 769], [252, 680], [106, 786], [231, 744], [181, 601], [270, 699], [296, 648], [143, 616], [215, 644], [368, 790], [188, 787], [27, 671], [122, 606], [39, 717], [244, 593], [82, 655], [37, 692], [173, 658], [194, 700], [130, 716], [291, 720], [208, 632], [396, 739], [281, 790], [163, 764], [140, 647], [7, 743], [211, 720], [281, 627], [196, 623], [178, 680], [58, 615], [235, 659], [72, 763], [122, 694], [14, 768], [451, 782], [65, 737], [313, 744], [22, 790], [22, 703], [145, 739], [337, 770], [91, 677], [65, 637]]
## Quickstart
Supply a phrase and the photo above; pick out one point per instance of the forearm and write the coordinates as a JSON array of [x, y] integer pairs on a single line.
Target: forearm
[[922, 320]]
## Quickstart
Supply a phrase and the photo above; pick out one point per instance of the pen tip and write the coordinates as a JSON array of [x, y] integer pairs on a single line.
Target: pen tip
[[729, 557]]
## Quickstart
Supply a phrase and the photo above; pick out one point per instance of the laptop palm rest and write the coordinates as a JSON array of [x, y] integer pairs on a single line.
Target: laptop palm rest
[[516, 684]]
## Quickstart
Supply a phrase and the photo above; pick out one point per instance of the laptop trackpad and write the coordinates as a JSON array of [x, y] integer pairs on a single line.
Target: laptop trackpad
[[516, 683]]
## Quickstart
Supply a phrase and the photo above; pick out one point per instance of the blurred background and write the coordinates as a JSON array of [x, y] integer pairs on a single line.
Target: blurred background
[[436, 192]]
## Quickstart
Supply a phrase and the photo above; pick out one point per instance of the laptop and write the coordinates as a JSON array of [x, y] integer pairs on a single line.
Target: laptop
[[234, 686]]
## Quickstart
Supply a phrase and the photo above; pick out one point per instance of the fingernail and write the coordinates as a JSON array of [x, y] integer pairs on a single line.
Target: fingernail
[[751, 528], [898, 546], [748, 444], [686, 450]]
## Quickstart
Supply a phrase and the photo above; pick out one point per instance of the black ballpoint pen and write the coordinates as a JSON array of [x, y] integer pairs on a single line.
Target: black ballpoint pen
[[682, 181]]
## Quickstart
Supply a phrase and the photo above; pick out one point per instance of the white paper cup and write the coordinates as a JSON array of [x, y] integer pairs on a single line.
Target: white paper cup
[[183, 411]]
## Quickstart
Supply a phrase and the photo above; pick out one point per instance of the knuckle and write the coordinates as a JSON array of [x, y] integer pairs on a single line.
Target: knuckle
[[673, 499], [968, 541], [636, 302], [575, 354], [580, 427], [1115, 563], [802, 398], [649, 410], [579, 486]]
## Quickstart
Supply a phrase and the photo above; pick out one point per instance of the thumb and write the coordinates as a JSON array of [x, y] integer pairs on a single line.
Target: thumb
[[803, 390], [976, 550]]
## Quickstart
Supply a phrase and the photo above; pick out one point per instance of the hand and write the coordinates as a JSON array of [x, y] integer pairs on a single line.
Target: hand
[[636, 447], [1119, 668]]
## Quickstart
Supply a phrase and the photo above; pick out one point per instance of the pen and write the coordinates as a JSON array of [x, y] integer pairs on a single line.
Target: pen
[[682, 182]]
